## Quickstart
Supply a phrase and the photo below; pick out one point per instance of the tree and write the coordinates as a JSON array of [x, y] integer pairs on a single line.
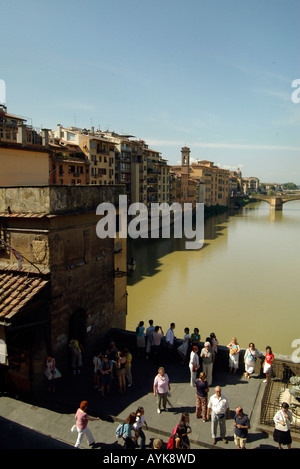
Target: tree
[[289, 186]]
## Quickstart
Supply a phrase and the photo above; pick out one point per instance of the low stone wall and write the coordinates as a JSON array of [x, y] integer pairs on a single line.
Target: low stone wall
[[127, 339], [284, 364]]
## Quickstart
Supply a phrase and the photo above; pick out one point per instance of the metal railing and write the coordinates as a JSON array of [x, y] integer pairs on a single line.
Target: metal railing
[[282, 372]]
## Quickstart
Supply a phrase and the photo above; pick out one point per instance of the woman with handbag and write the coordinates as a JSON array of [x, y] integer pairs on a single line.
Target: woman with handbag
[[82, 420], [249, 359], [234, 350], [283, 419], [51, 373], [161, 389]]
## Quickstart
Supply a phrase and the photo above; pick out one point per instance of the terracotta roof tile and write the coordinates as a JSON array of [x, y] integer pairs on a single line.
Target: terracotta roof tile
[[16, 290]]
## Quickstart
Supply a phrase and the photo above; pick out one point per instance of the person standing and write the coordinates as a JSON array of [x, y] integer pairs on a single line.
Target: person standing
[[76, 355], [269, 359], [170, 338], [219, 408], [241, 426], [194, 364], [161, 388], [128, 363], [106, 367], [82, 419], [140, 339], [201, 397], [138, 426], [129, 439], [149, 339], [51, 372], [283, 419], [207, 356], [121, 373], [249, 359], [112, 351], [214, 342], [183, 348], [195, 337], [234, 350], [156, 346], [97, 365]]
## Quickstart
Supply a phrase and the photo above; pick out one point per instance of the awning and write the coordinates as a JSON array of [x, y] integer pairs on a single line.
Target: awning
[[17, 289]]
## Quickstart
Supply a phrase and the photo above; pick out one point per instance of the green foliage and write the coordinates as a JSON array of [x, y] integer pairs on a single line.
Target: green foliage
[[289, 186]]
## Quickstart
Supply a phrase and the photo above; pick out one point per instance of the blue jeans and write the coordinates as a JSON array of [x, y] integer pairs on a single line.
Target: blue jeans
[[142, 437]]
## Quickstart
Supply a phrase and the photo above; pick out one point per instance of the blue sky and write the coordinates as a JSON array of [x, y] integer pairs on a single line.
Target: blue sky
[[213, 75]]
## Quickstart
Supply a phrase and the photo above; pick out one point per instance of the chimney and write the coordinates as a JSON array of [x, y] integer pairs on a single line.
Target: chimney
[[21, 135], [45, 138]]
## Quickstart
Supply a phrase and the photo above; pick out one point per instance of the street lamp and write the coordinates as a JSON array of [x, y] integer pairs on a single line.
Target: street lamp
[[131, 265]]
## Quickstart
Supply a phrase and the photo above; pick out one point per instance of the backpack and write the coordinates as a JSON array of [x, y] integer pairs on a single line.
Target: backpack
[[120, 430], [74, 347], [171, 444]]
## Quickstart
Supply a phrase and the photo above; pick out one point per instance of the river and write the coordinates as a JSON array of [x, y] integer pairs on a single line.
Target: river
[[244, 282]]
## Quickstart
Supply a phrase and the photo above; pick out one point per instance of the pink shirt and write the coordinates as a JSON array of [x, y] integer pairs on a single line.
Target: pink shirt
[[81, 419], [161, 383]]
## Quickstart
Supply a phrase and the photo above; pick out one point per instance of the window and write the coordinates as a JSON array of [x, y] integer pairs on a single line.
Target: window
[[71, 136]]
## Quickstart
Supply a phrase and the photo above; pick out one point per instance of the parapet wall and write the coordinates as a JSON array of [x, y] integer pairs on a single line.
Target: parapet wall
[[127, 339], [57, 199]]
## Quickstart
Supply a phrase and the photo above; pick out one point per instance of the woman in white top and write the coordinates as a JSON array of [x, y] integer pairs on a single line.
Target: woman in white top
[[138, 426], [249, 359], [183, 348], [283, 419], [234, 350], [194, 364]]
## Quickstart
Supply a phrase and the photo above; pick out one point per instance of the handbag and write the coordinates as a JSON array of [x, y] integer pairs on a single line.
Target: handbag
[[249, 361], [49, 375], [279, 426]]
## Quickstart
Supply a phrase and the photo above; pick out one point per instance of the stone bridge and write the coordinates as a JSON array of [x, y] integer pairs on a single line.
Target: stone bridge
[[276, 201]]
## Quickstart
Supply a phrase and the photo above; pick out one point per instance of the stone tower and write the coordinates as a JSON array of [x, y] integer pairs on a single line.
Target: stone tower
[[185, 158]]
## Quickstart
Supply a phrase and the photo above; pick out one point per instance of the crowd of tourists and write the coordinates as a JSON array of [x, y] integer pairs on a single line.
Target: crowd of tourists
[[153, 343]]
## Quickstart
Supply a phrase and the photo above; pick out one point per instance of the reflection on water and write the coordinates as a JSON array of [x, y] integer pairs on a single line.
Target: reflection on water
[[244, 282]]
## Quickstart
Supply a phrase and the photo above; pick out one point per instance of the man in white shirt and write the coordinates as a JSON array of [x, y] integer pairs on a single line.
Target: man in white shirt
[[219, 407], [170, 335], [170, 338]]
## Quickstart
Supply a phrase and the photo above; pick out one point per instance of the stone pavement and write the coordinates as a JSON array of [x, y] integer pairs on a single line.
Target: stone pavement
[[52, 415]]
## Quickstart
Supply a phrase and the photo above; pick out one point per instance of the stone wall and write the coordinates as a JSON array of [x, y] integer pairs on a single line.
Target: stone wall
[[58, 199], [125, 338]]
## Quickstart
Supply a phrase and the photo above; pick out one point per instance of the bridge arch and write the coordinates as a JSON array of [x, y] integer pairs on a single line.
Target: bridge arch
[[275, 201]]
